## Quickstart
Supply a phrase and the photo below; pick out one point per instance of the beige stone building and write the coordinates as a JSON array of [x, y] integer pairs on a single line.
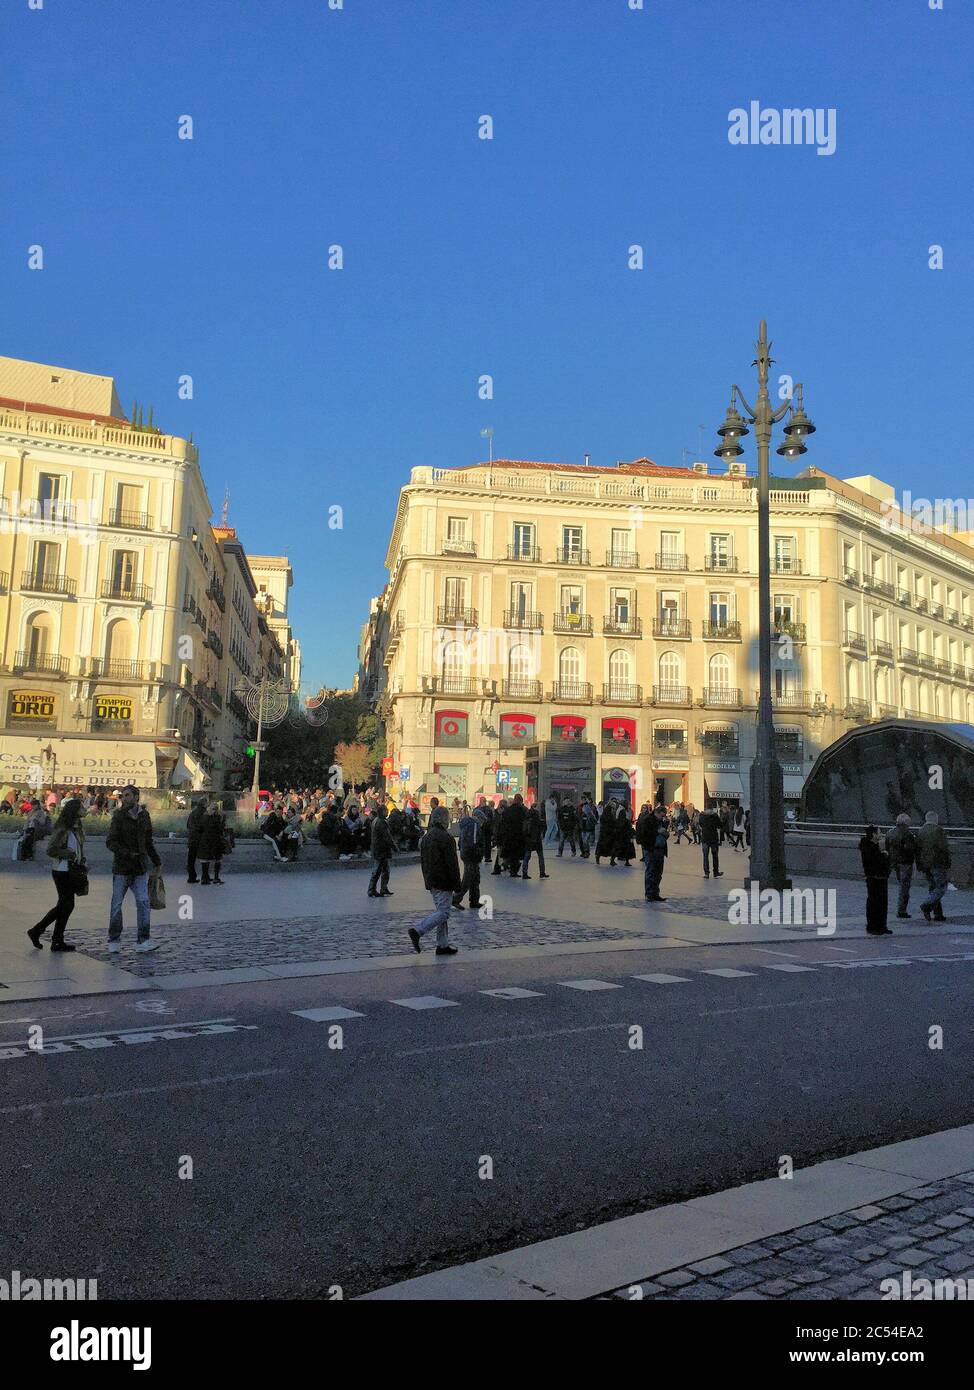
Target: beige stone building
[[274, 578], [532, 603], [125, 618]]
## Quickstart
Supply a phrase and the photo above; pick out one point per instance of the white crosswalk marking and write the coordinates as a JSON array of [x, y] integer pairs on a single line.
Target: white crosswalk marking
[[726, 974], [513, 993], [791, 969], [426, 1001], [664, 979], [588, 984], [325, 1015]]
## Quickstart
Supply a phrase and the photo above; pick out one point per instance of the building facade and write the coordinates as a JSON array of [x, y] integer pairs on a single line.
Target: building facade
[[274, 578], [529, 603], [119, 655]]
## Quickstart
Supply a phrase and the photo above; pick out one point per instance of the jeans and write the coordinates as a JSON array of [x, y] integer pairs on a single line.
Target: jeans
[[710, 851], [682, 830], [904, 876], [470, 883], [380, 871], [65, 906], [655, 862], [539, 851], [564, 835], [937, 883], [139, 884], [443, 901], [551, 834]]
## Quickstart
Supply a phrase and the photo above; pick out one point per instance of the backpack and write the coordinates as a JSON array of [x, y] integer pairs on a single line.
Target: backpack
[[907, 848], [470, 840]]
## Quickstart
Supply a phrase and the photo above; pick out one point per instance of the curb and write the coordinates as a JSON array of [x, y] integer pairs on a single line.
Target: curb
[[631, 1250]]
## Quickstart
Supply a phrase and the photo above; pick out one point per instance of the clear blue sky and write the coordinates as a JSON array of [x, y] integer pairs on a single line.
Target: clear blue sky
[[462, 256]]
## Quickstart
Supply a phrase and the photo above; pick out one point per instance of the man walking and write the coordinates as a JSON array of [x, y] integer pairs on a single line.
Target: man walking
[[471, 842], [710, 841], [551, 820], [441, 874], [129, 839], [933, 857], [901, 845], [652, 832], [567, 826], [533, 841], [588, 824], [381, 847], [194, 828]]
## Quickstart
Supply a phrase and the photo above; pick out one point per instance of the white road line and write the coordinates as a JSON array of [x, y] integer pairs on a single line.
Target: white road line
[[142, 1091], [123, 1028], [848, 950], [426, 1001], [324, 1014], [750, 1008], [790, 969], [512, 992], [726, 973], [766, 950], [588, 984], [37, 1018], [664, 979], [517, 1038]]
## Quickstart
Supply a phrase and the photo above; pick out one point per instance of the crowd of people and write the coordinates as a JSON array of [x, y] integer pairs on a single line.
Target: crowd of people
[[905, 851]]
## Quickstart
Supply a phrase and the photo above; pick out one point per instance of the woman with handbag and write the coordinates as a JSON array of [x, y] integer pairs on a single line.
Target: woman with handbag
[[67, 848], [213, 829]]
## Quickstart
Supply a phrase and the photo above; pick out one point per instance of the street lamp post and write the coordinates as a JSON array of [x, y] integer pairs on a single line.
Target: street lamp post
[[768, 869]]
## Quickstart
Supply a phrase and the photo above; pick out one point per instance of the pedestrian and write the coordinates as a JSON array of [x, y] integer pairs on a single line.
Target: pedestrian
[[605, 845], [681, 823], [725, 822], [496, 836], [292, 836], [381, 846], [710, 841], [510, 836], [67, 849], [747, 827], [551, 819], [441, 874], [588, 824], [38, 827], [471, 842], [194, 822], [652, 832], [273, 829], [352, 837], [901, 845], [567, 826], [625, 848], [737, 830], [694, 823], [533, 842], [933, 857], [210, 848], [129, 839], [875, 866]]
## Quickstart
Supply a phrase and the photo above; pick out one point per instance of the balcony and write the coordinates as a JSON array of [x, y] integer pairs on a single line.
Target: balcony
[[521, 690], [215, 644], [904, 597], [237, 707], [41, 662], [785, 627], [459, 685], [617, 745], [41, 583], [622, 559], [117, 670], [967, 623], [622, 627], [958, 672], [723, 564], [928, 662], [579, 624], [886, 711], [671, 560], [856, 642], [531, 554], [909, 656], [126, 593], [572, 692], [131, 521], [215, 592], [885, 590], [920, 603], [856, 709], [4, 582], [449, 616], [677, 629], [621, 693], [851, 577], [458, 545], [672, 695], [795, 699], [936, 610], [786, 564], [942, 666], [520, 622], [882, 649], [951, 616], [721, 697], [721, 632], [568, 555]]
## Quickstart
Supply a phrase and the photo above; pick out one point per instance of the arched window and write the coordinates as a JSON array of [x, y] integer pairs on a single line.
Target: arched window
[[454, 666], [669, 671], [956, 705], [118, 642], [570, 666], [39, 638], [620, 674], [720, 672], [941, 703], [924, 698], [520, 664], [907, 693]]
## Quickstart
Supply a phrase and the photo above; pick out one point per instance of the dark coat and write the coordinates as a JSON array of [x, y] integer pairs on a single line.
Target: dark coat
[[194, 821], [533, 829], [510, 832], [608, 833], [652, 832], [625, 849], [709, 827], [382, 843], [212, 830], [875, 864], [438, 857], [130, 841]]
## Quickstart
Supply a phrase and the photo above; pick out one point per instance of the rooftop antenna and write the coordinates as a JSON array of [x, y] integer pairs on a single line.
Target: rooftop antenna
[[225, 509], [488, 434], [701, 428]]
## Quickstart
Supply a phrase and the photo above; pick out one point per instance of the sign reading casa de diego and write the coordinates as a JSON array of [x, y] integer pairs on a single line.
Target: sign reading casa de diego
[[82, 762]]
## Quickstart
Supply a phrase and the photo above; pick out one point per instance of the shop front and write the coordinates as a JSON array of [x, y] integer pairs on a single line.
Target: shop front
[[76, 762]]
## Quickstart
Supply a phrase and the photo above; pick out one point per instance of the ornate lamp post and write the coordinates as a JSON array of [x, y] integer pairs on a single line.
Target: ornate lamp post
[[768, 868]]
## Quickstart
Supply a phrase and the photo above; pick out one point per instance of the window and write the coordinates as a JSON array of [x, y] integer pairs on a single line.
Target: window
[[520, 664], [669, 670], [784, 608], [784, 554], [570, 666], [118, 644], [123, 571], [620, 670], [669, 542], [521, 595], [719, 552], [571, 540], [38, 638], [571, 598], [670, 740], [47, 561], [456, 528], [454, 665], [621, 600], [719, 677], [621, 545], [523, 539], [455, 595], [128, 501], [49, 488], [669, 608], [720, 609]]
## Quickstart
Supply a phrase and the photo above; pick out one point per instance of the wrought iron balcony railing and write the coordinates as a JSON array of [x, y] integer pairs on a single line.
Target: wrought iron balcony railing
[[579, 624], [42, 582], [572, 692], [622, 627], [621, 693], [721, 632], [131, 521], [568, 555], [41, 661], [622, 559], [134, 593], [678, 628], [447, 615], [671, 560], [672, 695], [520, 621]]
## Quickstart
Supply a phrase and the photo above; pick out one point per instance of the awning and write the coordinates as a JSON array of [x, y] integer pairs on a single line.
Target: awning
[[79, 761], [725, 784], [794, 786]]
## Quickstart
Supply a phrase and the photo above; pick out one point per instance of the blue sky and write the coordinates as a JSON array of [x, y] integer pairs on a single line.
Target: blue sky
[[316, 388]]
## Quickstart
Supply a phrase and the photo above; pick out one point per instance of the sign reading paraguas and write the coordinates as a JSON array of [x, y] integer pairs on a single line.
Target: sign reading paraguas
[[87, 762]]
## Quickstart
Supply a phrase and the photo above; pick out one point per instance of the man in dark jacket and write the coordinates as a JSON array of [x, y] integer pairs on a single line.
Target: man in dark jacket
[[441, 874], [533, 841], [194, 824], [652, 832], [709, 826], [567, 826], [471, 840], [901, 845], [933, 857], [875, 866], [381, 847], [510, 835], [397, 826], [130, 840]]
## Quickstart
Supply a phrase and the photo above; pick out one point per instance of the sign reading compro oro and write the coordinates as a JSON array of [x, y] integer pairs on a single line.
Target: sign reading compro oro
[[33, 707], [113, 707], [87, 762]]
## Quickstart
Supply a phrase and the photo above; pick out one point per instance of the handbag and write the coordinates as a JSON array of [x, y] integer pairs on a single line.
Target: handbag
[[157, 891], [78, 878]]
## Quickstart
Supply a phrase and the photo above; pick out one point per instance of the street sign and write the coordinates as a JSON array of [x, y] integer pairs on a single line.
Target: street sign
[[259, 747], [404, 774], [503, 775]]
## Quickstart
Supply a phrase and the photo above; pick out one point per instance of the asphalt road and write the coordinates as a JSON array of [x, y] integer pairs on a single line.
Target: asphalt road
[[315, 1166]]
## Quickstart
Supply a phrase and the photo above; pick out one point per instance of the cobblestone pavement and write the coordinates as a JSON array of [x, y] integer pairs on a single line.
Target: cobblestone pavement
[[190, 946], [928, 1231]]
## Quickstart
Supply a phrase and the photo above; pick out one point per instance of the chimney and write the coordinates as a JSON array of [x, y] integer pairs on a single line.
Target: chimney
[[588, 460]]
